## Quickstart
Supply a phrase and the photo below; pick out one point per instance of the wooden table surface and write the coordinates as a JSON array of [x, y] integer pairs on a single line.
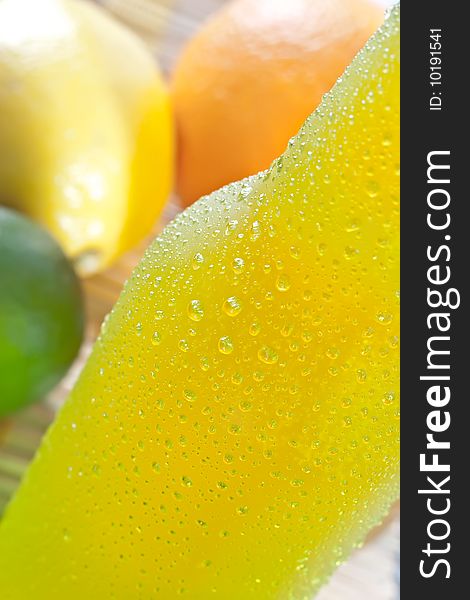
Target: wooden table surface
[[372, 572]]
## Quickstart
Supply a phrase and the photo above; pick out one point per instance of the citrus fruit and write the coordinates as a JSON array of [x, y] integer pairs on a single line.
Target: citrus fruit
[[247, 81], [41, 316], [85, 127]]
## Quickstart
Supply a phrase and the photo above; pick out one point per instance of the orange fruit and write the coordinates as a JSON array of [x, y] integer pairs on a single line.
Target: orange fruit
[[247, 81]]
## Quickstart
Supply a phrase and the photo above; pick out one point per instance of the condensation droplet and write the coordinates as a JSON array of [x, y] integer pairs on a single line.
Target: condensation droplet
[[255, 231], [245, 406], [268, 355], [287, 329], [295, 252], [361, 375], [195, 310], [225, 345], [332, 353], [198, 260], [372, 188], [283, 283], [350, 252], [183, 345], [230, 227], [388, 398], [232, 306], [190, 395], [384, 318], [238, 265]]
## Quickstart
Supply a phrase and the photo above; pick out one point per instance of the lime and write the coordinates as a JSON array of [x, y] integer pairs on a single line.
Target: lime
[[41, 312]]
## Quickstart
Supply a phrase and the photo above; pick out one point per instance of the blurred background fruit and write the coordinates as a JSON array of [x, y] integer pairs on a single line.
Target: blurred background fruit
[[85, 127], [249, 78], [41, 316]]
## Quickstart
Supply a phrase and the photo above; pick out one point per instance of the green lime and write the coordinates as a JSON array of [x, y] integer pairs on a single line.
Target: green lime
[[41, 312]]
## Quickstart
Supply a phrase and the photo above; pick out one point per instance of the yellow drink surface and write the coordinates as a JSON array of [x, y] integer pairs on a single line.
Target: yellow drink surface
[[235, 432]]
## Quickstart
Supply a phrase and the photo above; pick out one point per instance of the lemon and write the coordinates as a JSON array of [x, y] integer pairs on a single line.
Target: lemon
[[85, 128], [41, 315]]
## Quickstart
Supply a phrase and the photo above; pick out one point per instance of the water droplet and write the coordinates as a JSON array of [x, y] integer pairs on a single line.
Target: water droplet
[[350, 252], [186, 481], [225, 345], [283, 283], [255, 328], [384, 318], [295, 252], [242, 510], [268, 355], [388, 398], [195, 310], [230, 227], [183, 345], [287, 329], [332, 353], [232, 306], [198, 260], [238, 265], [352, 227], [255, 231], [156, 339], [361, 375], [237, 378], [190, 395], [372, 188], [204, 362], [245, 406]]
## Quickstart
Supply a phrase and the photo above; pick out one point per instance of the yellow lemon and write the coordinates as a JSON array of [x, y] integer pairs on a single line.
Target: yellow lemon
[[85, 127]]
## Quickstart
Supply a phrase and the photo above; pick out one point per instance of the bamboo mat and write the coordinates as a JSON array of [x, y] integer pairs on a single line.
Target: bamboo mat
[[372, 572]]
